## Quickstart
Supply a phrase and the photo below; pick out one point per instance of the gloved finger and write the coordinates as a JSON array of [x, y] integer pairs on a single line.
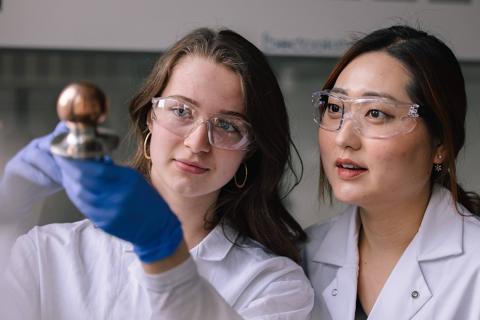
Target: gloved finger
[[98, 192], [43, 162], [77, 168], [61, 127], [91, 174], [100, 207], [88, 210], [45, 141], [25, 169], [80, 194], [38, 177]]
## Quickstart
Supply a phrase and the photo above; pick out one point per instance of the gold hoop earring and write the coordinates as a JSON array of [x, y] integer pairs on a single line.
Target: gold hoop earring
[[241, 185], [145, 142]]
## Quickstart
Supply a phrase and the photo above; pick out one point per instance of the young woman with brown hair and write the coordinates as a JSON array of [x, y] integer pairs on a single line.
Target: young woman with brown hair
[[196, 229]]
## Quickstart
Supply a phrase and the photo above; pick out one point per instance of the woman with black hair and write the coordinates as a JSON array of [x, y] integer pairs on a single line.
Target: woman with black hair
[[391, 124]]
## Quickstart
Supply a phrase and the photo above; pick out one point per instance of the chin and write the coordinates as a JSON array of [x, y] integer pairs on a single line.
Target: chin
[[191, 190], [186, 190], [348, 194]]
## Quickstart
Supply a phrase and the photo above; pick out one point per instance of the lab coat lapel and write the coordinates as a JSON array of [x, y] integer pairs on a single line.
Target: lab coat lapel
[[339, 250], [340, 295], [439, 236], [405, 291], [216, 245], [441, 232]]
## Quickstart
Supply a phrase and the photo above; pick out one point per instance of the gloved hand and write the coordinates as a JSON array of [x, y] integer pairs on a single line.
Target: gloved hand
[[122, 203], [31, 175]]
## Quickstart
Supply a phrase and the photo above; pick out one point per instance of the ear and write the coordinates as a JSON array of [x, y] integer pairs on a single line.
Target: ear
[[439, 154]]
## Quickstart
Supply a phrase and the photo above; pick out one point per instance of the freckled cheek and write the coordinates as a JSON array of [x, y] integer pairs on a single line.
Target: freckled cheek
[[162, 143]]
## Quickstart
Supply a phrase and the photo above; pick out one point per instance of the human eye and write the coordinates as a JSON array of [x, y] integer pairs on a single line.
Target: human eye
[[226, 125], [181, 111], [377, 112], [333, 110]]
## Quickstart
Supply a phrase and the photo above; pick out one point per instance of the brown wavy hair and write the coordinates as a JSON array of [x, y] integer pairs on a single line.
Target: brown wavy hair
[[256, 210], [437, 85]]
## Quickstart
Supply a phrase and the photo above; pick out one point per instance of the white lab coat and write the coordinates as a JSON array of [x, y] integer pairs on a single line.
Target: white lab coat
[[75, 271], [437, 277]]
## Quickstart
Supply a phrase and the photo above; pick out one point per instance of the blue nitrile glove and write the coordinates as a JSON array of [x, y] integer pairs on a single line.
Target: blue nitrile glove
[[31, 175], [122, 203]]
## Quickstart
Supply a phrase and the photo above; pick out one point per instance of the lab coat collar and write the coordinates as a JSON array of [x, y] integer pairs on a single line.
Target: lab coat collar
[[339, 249], [440, 235], [441, 232], [406, 290], [216, 245], [339, 246]]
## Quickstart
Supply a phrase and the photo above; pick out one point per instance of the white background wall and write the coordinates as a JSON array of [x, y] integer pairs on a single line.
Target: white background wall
[[305, 27]]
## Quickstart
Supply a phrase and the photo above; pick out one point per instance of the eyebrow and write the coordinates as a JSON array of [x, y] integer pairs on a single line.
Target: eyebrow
[[195, 104], [367, 94], [186, 99], [233, 113]]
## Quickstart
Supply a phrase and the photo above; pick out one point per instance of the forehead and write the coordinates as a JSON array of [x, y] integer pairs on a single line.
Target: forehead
[[212, 87], [375, 72]]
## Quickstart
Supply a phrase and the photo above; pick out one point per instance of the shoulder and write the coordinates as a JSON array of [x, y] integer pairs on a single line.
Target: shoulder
[[241, 253], [258, 269], [449, 230], [254, 254], [318, 232], [458, 223], [63, 233], [242, 269], [472, 235], [260, 277], [67, 241], [471, 221]]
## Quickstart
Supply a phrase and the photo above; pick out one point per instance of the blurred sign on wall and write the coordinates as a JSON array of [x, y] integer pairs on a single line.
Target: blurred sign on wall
[[285, 27]]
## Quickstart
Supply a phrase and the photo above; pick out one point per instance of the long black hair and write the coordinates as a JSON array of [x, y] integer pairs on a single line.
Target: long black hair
[[437, 85]]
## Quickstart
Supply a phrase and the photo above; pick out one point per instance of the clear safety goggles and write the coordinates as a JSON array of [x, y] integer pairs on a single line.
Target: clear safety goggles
[[180, 118], [372, 117]]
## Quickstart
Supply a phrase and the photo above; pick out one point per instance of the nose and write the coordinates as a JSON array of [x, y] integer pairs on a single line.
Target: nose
[[347, 136], [197, 140]]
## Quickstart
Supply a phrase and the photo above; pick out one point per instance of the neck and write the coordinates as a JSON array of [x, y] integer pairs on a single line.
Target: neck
[[192, 213], [389, 229]]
